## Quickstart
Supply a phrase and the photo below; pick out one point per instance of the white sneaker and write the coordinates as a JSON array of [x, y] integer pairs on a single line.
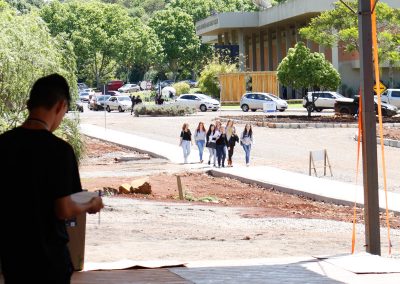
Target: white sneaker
[[247, 164]]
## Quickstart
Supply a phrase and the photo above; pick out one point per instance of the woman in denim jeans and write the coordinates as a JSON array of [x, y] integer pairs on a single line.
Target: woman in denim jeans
[[211, 144], [246, 140], [185, 141], [200, 138], [222, 144]]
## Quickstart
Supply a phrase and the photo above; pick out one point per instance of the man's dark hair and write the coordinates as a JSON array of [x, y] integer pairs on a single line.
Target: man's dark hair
[[47, 91]]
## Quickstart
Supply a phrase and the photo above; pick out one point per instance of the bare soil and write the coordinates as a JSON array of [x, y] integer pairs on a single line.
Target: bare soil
[[254, 200]]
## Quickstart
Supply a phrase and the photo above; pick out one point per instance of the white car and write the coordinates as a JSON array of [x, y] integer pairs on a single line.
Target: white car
[[120, 103], [321, 100], [198, 101], [129, 88], [254, 101]]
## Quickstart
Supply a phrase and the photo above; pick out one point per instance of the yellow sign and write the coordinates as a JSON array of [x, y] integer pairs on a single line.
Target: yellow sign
[[381, 88]]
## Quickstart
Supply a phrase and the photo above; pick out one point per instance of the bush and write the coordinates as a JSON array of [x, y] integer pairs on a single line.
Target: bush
[[209, 81], [181, 88], [163, 110]]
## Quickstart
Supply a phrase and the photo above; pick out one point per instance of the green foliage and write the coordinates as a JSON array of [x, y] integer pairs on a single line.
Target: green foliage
[[341, 26], [69, 131], [209, 81], [181, 88], [104, 37], [163, 110], [28, 52], [25, 6], [302, 69], [176, 32]]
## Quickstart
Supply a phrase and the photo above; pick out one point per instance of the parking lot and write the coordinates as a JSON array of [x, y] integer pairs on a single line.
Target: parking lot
[[282, 148]]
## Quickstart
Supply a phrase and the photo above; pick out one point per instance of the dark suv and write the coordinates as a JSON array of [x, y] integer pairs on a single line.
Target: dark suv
[[350, 106]]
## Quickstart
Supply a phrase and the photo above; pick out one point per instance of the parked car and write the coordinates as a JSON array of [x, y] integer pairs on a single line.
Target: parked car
[[114, 85], [120, 103], [391, 96], [198, 101], [350, 106], [84, 97], [254, 101], [78, 106], [97, 102], [317, 101], [129, 88]]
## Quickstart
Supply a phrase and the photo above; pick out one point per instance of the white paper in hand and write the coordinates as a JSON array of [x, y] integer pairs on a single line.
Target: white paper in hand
[[83, 196]]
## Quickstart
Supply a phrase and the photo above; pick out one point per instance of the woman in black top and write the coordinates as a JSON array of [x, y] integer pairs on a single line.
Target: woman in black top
[[185, 141], [222, 144]]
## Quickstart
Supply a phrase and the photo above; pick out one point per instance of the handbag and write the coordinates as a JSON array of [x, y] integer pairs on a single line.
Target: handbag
[[211, 144]]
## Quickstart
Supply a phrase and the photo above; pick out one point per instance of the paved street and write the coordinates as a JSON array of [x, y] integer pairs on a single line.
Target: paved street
[[282, 148]]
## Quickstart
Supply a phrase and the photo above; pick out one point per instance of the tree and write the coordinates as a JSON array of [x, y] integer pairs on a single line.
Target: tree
[[25, 6], [302, 69], [28, 52], [176, 32], [209, 81], [105, 38], [340, 26]]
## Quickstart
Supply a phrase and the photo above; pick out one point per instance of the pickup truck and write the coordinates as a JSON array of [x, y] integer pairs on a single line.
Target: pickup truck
[[391, 96], [350, 106]]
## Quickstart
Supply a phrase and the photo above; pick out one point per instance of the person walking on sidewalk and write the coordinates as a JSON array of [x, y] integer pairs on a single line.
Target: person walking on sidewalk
[[211, 145], [133, 101], [246, 140], [186, 141], [200, 138], [232, 139], [222, 144]]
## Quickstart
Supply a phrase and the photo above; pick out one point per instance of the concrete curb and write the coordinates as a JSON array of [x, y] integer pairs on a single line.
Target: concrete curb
[[297, 125], [386, 142]]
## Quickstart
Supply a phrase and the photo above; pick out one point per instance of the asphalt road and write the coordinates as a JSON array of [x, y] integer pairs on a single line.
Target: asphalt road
[[282, 148]]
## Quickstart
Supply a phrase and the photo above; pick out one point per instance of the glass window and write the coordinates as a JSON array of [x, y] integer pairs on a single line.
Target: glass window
[[396, 94]]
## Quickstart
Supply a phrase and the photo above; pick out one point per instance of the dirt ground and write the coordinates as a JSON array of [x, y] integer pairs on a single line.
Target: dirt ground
[[201, 188]]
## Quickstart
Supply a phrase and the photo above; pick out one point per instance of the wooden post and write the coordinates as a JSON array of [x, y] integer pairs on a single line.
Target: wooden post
[[369, 153], [178, 178]]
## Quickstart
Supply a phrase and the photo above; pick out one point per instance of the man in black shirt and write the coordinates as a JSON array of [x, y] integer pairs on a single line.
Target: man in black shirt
[[39, 173]]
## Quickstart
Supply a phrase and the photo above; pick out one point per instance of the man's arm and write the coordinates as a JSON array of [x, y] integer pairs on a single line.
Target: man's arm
[[66, 208]]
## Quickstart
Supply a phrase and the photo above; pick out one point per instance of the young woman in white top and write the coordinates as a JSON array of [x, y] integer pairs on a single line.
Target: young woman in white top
[[200, 138], [211, 145]]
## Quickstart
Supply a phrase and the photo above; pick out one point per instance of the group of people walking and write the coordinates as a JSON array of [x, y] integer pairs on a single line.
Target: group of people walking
[[220, 141]]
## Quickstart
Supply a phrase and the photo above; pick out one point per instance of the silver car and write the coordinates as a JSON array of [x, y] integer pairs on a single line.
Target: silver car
[[255, 101], [120, 103]]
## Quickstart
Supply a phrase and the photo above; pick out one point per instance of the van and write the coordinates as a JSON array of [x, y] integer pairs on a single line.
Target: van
[[114, 85]]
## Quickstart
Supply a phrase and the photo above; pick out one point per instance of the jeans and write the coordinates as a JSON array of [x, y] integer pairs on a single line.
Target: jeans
[[200, 145], [221, 154], [186, 149], [213, 155], [247, 149], [230, 153]]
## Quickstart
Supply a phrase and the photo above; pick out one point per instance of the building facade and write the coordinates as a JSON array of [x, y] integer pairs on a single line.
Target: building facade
[[263, 38]]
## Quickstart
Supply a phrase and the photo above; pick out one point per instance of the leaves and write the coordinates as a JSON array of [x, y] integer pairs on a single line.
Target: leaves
[[302, 69]]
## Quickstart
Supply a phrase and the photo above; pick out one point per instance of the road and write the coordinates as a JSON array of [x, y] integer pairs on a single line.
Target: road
[[282, 148]]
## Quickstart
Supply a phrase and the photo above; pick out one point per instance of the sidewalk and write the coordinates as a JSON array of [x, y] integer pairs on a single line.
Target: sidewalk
[[316, 188], [360, 268]]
